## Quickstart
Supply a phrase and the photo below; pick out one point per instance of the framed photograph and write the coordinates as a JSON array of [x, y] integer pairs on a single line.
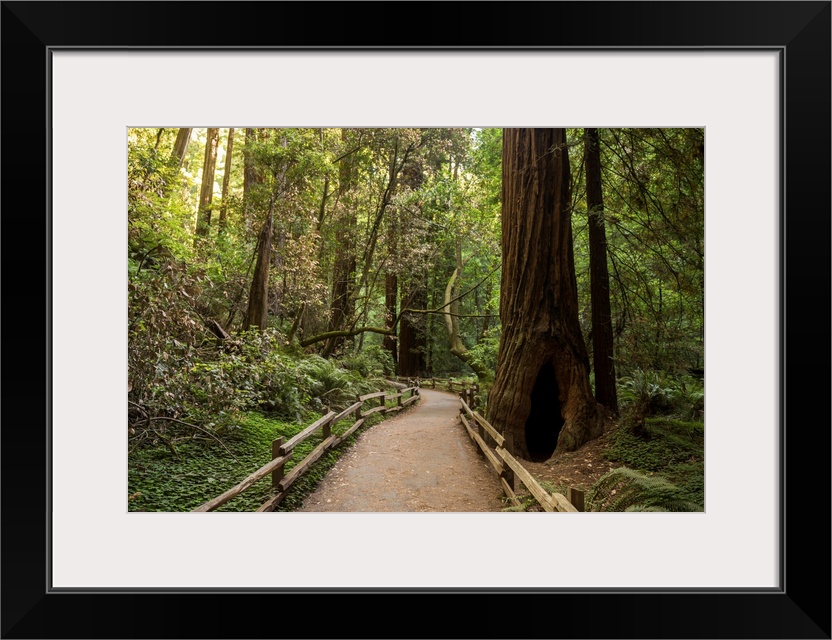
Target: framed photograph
[[754, 75]]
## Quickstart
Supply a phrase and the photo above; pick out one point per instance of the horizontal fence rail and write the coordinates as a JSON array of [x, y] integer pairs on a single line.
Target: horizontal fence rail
[[508, 467], [282, 452]]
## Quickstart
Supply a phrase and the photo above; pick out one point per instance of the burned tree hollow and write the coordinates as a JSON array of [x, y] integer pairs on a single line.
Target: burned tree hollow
[[545, 420], [541, 400]]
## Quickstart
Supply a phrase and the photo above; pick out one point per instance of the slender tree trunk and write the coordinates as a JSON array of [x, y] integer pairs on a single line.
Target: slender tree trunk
[[541, 399], [226, 179], [258, 299], [249, 171], [183, 137], [602, 341], [391, 294], [207, 192]]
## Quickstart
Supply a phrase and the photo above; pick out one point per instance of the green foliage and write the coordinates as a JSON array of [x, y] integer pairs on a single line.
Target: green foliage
[[372, 362], [663, 443], [659, 393], [329, 385], [653, 192], [485, 352], [625, 489], [674, 449], [159, 480]]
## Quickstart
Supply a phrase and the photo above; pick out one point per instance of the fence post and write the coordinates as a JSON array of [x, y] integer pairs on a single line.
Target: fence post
[[508, 475], [576, 497], [481, 430], [277, 474], [326, 427]]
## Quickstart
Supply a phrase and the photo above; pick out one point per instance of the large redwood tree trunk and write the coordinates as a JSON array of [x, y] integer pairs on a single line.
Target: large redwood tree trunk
[[541, 400], [602, 342]]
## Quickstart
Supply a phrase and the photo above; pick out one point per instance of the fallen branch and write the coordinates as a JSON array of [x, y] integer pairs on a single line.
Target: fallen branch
[[347, 333], [193, 426]]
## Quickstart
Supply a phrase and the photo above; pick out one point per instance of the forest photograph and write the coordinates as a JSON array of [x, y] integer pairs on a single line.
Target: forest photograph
[[416, 319]]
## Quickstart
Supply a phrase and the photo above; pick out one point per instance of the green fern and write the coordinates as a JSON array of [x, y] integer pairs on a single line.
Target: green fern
[[625, 489]]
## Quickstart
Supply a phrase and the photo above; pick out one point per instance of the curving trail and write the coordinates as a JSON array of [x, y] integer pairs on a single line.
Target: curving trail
[[421, 460]]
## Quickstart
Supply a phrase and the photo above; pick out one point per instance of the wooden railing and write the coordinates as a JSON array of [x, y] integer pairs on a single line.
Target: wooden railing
[[507, 466], [468, 390], [282, 452]]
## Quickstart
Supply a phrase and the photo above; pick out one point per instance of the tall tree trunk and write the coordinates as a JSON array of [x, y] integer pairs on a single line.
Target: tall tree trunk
[[226, 179], [207, 192], [258, 299], [183, 137], [541, 400], [602, 342], [249, 170], [343, 274]]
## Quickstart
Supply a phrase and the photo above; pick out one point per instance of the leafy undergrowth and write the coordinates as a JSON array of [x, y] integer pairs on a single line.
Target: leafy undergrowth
[[673, 450], [159, 481]]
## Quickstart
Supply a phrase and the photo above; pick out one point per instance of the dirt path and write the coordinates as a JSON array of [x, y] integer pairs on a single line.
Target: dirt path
[[421, 460]]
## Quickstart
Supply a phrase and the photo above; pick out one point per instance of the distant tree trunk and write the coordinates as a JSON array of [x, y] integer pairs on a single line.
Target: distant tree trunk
[[258, 299], [602, 342], [249, 171], [411, 361], [391, 294], [541, 400], [343, 275], [207, 192], [183, 137], [225, 180]]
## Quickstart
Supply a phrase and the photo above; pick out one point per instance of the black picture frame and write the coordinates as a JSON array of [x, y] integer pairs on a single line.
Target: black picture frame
[[800, 31]]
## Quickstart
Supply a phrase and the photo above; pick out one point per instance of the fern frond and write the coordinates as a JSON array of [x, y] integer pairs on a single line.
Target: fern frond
[[625, 489]]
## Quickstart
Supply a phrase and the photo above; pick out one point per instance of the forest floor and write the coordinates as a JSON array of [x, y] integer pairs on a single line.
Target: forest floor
[[424, 461]]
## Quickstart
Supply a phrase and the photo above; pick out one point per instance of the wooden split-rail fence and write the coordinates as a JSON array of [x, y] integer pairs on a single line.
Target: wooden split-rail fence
[[282, 452], [509, 468], [469, 391]]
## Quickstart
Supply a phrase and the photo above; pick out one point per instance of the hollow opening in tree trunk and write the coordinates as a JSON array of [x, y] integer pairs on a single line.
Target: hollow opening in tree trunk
[[545, 420]]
